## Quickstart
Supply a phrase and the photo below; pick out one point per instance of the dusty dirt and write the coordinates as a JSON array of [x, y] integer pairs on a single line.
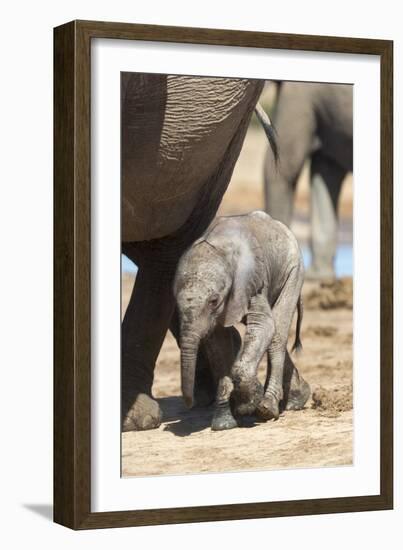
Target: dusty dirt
[[333, 401], [331, 295], [320, 436]]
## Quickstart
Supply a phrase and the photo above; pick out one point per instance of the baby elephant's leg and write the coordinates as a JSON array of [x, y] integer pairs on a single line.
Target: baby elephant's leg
[[223, 418], [269, 407], [222, 347], [260, 328], [296, 390]]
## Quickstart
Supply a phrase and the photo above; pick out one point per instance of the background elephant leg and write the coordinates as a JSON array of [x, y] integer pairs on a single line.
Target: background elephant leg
[[279, 191], [295, 122], [222, 348], [296, 390], [205, 380], [326, 181], [143, 330]]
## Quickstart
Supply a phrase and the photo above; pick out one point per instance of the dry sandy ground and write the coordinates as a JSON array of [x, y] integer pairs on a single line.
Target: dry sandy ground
[[321, 436]]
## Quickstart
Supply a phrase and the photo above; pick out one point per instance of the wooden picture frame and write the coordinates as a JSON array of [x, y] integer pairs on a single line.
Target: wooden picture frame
[[72, 319]]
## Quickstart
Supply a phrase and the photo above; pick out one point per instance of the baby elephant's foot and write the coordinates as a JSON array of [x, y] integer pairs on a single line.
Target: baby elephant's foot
[[246, 396], [268, 408], [298, 396], [223, 419]]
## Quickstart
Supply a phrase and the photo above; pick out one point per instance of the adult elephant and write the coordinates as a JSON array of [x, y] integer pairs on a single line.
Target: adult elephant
[[313, 121], [181, 137]]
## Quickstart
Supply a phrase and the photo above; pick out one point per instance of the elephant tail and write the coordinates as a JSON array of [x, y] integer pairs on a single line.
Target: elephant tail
[[300, 308], [268, 128]]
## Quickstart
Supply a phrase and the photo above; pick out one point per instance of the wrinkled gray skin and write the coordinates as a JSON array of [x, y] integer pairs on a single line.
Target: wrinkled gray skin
[[181, 137], [244, 268], [313, 121]]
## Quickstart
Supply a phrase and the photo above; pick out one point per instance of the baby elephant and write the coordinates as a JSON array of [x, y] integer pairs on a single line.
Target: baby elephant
[[243, 269]]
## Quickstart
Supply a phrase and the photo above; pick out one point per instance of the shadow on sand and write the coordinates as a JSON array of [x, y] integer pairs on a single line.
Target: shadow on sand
[[182, 422]]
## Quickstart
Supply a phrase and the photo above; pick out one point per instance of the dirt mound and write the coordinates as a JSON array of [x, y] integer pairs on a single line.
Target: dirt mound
[[333, 294], [333, 401]]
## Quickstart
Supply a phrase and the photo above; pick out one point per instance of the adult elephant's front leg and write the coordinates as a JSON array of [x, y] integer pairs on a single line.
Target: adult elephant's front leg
[[143, 331]]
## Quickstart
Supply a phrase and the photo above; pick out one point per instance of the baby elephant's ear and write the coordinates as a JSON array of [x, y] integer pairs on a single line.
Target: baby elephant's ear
[[248, 275]]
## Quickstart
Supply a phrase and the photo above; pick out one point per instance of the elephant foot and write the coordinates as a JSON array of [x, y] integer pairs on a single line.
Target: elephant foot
[[145, 414], [298, 396], [246, 396], [268, 408], [320, 274], [223, 419]]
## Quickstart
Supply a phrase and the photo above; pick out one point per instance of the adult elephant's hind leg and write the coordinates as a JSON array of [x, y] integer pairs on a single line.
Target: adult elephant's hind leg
[[143, 331]]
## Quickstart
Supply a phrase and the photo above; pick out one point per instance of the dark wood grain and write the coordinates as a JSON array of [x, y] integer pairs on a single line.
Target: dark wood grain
[[72, 291], [219, 37], [72, 320], [64, 345], [386, 359]]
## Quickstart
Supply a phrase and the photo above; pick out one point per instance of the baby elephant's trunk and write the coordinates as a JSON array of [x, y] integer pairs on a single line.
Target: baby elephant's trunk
[[189, 344]]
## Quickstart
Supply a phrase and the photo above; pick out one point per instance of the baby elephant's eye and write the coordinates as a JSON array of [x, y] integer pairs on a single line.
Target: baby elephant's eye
[[213, 302]]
